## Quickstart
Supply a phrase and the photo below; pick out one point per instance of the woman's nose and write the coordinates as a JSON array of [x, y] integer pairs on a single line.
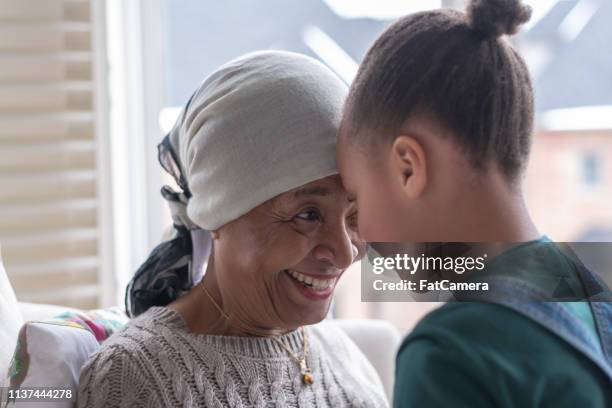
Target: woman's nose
[[337, 247]]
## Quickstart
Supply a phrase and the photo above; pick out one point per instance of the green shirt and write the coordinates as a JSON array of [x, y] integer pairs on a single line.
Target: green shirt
[[485, 355]]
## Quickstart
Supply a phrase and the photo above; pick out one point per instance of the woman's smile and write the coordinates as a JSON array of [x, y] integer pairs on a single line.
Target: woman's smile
[[314, 287]]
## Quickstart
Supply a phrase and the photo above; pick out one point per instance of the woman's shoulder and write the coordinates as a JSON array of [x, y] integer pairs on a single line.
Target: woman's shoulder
[[126, 342], [114, 376], [123, 360], [346, 356], [137, 339], [142, 329], [334, 341], [329, 333]]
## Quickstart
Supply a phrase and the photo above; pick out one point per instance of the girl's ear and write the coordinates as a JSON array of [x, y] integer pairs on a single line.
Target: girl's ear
[[409, 165], [215, 234]]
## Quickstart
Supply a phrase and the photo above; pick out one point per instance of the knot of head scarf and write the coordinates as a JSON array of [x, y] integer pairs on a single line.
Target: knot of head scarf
[[260, 125], [175, 265]]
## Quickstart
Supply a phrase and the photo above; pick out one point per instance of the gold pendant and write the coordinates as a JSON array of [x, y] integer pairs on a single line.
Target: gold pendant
[[307, 377]]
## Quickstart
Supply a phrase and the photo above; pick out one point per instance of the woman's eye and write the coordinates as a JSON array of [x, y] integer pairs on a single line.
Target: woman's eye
[[310, 215]]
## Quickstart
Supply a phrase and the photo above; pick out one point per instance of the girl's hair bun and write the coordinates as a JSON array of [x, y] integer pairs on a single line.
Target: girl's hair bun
[[494, 18]]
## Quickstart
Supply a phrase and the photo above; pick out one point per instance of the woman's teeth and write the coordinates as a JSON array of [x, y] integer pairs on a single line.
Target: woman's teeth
[[316, 284]]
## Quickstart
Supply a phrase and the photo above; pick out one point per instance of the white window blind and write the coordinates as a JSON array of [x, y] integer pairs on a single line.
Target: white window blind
[[52, 181]]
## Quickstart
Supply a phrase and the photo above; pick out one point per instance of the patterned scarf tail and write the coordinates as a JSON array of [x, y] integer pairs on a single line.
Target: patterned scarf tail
[[173, 267]]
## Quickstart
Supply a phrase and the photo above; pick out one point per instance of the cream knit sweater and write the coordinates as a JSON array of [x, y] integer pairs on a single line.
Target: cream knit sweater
[[154, 361]]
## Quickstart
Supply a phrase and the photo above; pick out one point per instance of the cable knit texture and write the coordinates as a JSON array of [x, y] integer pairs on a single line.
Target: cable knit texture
[[154, 361]]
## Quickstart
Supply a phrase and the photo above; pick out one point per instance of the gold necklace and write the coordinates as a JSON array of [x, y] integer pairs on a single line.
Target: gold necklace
[[214, 302], [305, 371]]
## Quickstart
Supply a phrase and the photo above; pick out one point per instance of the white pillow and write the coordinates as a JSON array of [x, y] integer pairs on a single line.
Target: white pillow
[[55, 354], [10, 323], [51, 353]]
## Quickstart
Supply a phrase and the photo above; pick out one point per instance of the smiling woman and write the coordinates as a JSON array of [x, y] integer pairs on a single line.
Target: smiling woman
[[254, 155], [271, 257]]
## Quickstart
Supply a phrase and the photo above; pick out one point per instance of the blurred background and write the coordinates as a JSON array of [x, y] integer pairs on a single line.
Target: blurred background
[[89, 87]]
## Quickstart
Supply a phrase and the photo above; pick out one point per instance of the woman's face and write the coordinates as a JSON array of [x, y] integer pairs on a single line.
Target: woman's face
[[277, 266]]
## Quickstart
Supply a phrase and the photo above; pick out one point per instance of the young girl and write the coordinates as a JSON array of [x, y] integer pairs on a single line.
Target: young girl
[[433, 145]]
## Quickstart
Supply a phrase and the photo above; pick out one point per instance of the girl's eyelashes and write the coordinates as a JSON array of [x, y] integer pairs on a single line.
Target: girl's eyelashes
[[352, 221]]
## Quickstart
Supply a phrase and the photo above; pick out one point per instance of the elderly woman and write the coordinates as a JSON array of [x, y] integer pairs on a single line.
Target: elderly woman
[[253, 153]]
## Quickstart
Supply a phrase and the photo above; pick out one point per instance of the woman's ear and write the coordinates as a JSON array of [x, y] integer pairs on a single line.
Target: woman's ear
[[215, 234], [409, 165]]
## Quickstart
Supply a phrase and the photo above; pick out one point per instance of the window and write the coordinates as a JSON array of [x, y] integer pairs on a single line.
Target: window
[[54, 201]]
